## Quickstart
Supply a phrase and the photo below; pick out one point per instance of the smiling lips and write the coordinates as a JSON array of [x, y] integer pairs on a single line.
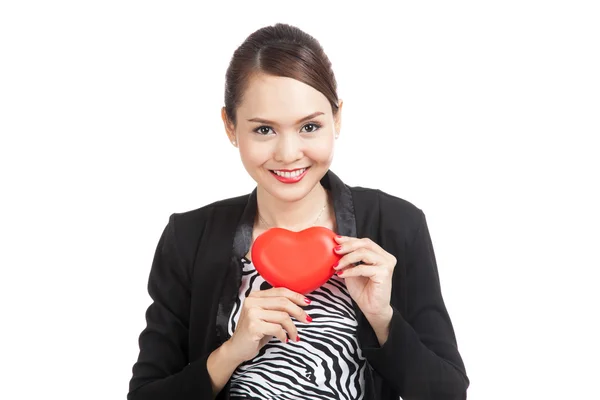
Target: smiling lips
[[289, 176]]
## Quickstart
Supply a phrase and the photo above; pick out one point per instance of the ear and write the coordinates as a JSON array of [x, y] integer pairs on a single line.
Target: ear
[[338, 119], [229, 128]]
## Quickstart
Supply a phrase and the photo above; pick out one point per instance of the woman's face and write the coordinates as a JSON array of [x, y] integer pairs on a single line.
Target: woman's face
[[285, 134]]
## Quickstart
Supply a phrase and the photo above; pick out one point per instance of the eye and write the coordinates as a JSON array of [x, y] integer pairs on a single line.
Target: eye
[[266, 130], [315, 126], [263, 130]]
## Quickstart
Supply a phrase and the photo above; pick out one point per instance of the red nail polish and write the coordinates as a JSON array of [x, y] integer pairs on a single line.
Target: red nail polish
[[307, 300], [309, 318], [338, 248], [287, 340], [338, 236], [335, 265], [298, 338], [340, 273]]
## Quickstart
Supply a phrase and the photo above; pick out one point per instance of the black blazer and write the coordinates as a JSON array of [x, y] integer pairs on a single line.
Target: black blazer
[[195, 276]]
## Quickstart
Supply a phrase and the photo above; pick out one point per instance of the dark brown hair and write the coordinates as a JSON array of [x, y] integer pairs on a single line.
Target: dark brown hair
[[279, 50]]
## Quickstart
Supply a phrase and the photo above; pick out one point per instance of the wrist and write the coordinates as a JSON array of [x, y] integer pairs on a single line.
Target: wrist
[[228, 355], [381, 324], [220, 366], [381, 318]]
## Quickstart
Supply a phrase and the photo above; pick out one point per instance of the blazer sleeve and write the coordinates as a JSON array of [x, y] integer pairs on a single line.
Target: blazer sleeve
[[162, 370], [420, 358]]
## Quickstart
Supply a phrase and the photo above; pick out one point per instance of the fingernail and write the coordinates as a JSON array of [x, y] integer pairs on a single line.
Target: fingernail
[[340, 273], [335, 265], [298, 338], [287, 340], [338, 248], [338, 236], [307, 300], [309, 318]]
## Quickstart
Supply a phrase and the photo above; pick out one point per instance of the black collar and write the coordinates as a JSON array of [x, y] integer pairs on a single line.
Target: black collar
[[343, 207], [345, 222]]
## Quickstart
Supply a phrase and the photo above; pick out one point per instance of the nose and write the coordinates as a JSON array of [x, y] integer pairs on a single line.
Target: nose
[[288, 149]]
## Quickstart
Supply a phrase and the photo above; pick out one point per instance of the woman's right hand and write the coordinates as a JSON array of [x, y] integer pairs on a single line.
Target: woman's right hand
[[267, 313]]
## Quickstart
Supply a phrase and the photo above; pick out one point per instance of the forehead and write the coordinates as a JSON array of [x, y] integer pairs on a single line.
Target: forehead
[[280, 98]]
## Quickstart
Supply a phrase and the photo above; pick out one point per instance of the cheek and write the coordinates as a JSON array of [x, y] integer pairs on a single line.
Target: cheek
[[254, 155], [322, 151]]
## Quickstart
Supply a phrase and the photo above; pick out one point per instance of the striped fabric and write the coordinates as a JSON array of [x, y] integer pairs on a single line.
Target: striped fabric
[[327, 363]]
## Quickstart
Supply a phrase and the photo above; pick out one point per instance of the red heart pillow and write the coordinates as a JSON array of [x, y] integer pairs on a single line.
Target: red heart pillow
[[300, 261]]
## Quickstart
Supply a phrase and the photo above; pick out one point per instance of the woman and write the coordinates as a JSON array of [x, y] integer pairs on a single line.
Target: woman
[[378, 329]]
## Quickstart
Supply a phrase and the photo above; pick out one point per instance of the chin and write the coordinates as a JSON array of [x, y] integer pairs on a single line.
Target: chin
[[292, 192]]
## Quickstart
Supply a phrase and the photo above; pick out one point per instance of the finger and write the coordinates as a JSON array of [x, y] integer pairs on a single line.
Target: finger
[[283, 319], [343, 239], [361, 255], [271, 329], [376, 273], [352, 244], [282, 304], [295, 297], [258, 318]]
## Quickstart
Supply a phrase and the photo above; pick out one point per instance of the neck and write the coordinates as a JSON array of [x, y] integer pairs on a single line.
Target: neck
[[292, 215]]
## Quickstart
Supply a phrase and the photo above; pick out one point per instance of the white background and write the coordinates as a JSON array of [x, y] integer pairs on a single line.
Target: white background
[[484, 114]]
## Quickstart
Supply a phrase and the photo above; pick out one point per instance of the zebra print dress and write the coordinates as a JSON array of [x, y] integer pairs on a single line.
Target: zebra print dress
[[327, 363]]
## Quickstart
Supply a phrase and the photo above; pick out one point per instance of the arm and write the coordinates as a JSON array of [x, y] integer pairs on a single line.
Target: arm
[[162, 370], [221, 365], [419, 357]]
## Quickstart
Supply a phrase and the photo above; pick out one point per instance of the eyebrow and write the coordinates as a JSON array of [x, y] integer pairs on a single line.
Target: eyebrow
[[265, 121]]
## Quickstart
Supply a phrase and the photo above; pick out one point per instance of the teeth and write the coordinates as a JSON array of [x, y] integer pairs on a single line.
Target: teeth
[[293, 174]]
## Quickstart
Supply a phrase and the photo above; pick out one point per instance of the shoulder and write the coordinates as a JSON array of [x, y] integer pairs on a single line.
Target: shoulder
[[221, 206], [391, 210], [191, 224]]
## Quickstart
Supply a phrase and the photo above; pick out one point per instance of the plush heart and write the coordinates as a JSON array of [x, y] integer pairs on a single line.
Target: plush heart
[[300, 261]]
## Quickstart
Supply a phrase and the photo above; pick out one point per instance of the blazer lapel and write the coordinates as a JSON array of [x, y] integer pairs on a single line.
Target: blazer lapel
[[343, 205], [241, 244], [344, 211], [345, 218]]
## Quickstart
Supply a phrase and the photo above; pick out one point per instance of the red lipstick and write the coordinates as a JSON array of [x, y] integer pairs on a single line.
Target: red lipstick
[[289, 179]]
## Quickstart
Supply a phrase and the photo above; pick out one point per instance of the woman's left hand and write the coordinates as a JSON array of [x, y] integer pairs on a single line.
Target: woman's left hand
[[370, 282]]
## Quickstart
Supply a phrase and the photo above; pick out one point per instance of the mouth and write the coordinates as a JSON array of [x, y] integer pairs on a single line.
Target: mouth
[[289, 176]]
